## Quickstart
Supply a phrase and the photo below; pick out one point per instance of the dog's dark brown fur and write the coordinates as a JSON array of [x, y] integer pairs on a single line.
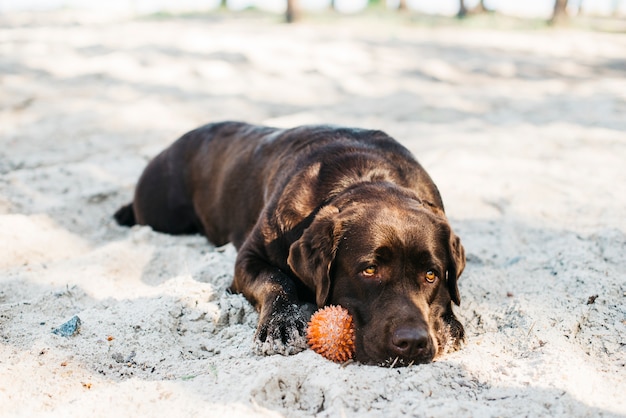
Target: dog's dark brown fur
[[320, 215]]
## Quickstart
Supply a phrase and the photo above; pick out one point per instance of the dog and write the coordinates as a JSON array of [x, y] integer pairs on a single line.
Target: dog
[[319, 215]]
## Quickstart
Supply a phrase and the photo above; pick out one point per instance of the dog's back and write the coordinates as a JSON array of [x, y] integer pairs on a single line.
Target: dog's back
[[217, 179]]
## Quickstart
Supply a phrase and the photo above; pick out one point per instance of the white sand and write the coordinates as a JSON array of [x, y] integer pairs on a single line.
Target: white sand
[[524, 132]]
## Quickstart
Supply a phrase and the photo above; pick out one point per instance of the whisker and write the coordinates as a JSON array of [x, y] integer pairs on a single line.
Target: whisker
[[345, 363], [394, 363]]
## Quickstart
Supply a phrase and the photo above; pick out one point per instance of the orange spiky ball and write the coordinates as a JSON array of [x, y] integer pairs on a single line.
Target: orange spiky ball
[[331, 333]]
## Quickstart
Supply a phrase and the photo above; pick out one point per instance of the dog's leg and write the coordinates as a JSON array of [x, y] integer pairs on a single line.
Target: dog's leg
[[450, 332], [282, 316], [455, 329]]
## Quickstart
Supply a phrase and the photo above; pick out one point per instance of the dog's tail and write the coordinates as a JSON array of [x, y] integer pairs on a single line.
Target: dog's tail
[[125, 215]]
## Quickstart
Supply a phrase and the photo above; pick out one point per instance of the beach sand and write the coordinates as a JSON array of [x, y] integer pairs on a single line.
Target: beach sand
[[522, 130]]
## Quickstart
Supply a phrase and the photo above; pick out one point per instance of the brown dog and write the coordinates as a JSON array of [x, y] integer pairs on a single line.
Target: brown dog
[[320, 215]]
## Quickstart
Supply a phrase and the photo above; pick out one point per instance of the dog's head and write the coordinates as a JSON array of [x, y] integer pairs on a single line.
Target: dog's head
[[393, 262]]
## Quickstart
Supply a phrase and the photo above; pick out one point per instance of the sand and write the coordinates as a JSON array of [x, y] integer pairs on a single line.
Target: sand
[[523, 131]]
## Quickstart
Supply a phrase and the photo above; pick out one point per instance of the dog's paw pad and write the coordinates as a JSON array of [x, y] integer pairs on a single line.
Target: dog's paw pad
[[283, 333], [272, 346]]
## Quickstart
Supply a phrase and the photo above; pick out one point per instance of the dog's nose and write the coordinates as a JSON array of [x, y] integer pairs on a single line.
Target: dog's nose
[[410, 342]]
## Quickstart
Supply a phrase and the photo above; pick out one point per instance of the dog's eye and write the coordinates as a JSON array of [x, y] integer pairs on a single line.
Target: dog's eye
[[369, 271], [430, 276]]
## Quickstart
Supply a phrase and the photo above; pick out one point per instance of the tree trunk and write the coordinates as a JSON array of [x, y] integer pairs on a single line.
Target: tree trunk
[[560, 12], [480, 7], [292, 11], [462, 9]]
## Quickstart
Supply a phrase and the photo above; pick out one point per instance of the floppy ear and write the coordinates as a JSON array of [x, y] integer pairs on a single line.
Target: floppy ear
[[311, 257], [456, 264]]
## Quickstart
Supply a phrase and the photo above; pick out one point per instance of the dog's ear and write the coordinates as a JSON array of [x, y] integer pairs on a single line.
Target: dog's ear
[[456, 264], [311, 257]]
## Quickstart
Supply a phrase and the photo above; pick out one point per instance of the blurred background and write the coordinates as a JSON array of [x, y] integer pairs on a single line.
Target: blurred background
[[528, 8]]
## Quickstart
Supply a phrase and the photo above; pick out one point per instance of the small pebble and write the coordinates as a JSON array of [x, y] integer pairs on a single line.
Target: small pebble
[[68, 329]]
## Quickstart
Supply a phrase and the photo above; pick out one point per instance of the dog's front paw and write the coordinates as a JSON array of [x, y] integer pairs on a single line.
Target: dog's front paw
[[282, 329], [451, 335]]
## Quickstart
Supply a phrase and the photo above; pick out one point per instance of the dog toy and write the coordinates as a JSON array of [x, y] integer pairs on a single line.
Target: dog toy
[[331, 333]]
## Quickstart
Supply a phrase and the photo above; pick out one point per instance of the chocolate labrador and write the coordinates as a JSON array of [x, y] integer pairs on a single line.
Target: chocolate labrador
[[320, 215]]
